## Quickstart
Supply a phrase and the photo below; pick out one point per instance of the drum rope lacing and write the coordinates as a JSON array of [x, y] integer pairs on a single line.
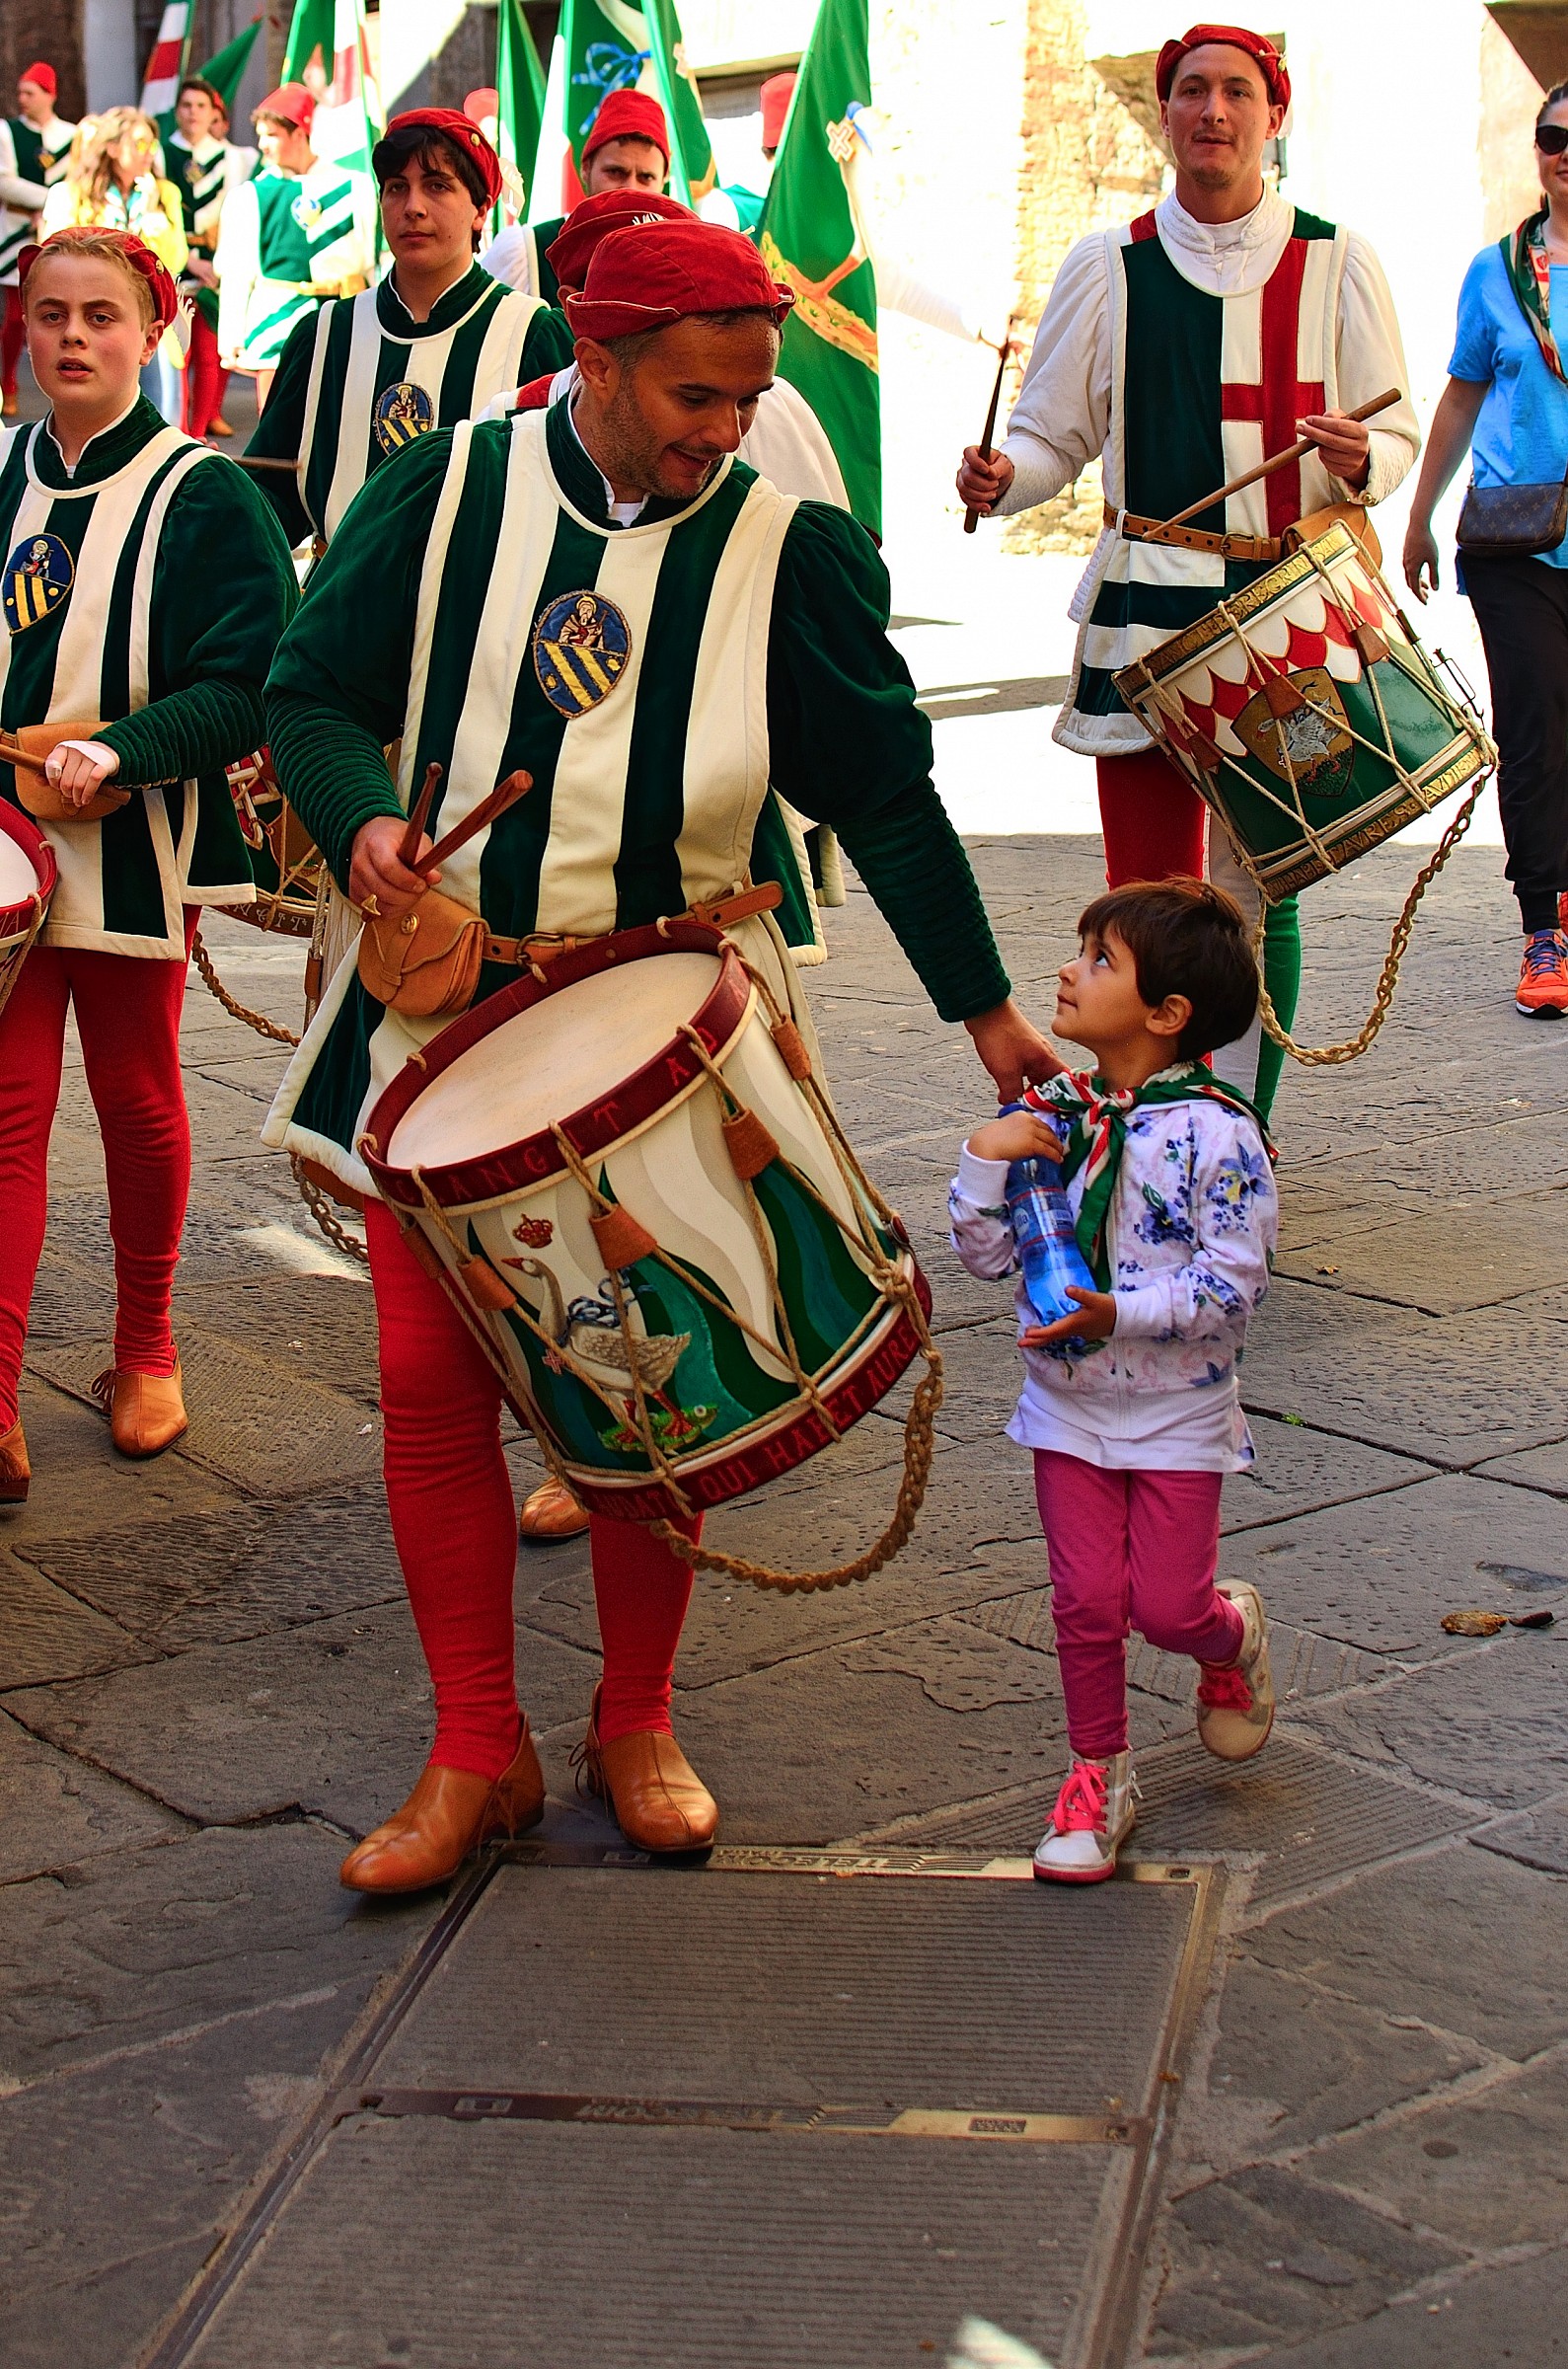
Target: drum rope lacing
[[894, 1286], [12, 959], [1351, 1047]]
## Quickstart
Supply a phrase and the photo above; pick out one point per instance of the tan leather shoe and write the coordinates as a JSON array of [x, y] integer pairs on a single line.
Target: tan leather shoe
[[146, 1412], [16, 1472], [220, 428], [449, 1814], [551, 1511], [651, 1788]]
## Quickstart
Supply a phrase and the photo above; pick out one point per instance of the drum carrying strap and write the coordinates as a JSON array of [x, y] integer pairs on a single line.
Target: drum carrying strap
[[1136, 530]]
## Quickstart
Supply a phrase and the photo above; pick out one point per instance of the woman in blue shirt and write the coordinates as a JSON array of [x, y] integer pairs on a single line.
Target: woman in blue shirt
[[1507, 399]]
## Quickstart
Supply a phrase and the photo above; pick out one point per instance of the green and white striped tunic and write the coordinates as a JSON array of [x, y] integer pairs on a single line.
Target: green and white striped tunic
[[363, 379], [281, 234], [113, 610], [204, 177], [480, 604], [28, 160]]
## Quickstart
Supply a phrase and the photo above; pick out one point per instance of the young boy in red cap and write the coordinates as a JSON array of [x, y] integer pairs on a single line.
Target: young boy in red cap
[[753, 633], [1186, 348], [433, 342], [628, 149], [34, 144], [301, 230]]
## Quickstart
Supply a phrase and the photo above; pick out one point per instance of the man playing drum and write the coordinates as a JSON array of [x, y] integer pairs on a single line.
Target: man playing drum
[[1185, 349], [435, 343], [143, 664], [739, 638]]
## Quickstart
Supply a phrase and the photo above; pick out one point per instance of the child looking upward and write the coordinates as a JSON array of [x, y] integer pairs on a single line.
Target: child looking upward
[[1130, 1402]]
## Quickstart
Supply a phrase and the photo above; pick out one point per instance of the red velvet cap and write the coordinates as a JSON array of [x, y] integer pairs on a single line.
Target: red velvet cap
[[463, 135], [776, 95], [43, 75], [1257, 46], [290, 103], [659, 273], [165, 295], [576, 242], [629, 115]]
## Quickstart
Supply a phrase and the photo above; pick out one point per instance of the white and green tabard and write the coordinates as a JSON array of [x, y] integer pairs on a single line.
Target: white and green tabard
[[481, 606], [363, 379], [112, 617], [286, 241]]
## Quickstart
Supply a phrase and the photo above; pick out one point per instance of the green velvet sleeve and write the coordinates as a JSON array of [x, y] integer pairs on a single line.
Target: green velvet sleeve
[[223, 590], [548, 346], [850, 747], [340, 680], [281, 426]]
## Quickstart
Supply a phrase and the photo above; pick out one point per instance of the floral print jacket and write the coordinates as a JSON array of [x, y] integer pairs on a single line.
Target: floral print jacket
[[1192, 1229]]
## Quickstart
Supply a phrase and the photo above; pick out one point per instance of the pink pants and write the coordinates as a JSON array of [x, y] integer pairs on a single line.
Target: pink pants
[[1128, 1551]]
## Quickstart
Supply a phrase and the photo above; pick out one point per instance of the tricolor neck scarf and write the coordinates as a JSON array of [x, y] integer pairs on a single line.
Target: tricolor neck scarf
[[1528, 269], [1096, 1136]]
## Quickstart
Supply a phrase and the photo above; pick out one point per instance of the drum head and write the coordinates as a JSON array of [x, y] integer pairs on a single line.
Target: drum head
[[541, 1065], [19, 879]]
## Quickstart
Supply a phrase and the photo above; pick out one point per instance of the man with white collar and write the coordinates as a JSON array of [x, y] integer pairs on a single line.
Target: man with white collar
[[1185, 347], [627, 147], [34, 144], [203, 166], [301, 230]]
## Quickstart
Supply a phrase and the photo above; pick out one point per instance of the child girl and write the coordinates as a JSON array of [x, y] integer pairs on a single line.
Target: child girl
[[1130, 1402]]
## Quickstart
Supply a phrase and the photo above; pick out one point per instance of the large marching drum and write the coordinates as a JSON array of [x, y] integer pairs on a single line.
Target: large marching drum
[[624, 1173], [27, 873]]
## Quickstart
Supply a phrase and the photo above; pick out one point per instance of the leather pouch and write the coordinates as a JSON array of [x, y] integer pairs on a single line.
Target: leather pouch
[[425, 962], [1512, 522], [1348, 514]]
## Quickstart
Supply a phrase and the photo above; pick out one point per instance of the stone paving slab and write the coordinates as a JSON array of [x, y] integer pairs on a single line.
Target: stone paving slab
[[1498, 1734], [1511, 2314], [45, 1633], [1441, 1261], [56, 1812]]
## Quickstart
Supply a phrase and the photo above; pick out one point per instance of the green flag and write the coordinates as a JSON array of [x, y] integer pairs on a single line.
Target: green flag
[[225, 68], [520, 90], [693, 171], [809, 240]]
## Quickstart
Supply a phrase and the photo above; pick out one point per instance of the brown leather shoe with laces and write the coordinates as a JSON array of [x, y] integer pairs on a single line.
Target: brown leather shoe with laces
[[649, 1786], [551, 1511], [146, 1412], [449, 1814], [16, 1474]]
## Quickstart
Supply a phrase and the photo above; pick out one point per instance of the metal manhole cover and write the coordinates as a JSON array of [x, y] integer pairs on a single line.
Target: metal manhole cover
[[793, 2110]]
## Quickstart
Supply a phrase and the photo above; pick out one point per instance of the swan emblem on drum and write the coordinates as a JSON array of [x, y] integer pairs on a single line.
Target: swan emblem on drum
[[589, 1331], [404, 411], [38, 575], [1297, 728], [583, 647]]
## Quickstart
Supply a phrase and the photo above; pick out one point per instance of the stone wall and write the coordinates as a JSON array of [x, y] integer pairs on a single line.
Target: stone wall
[[43, 29]]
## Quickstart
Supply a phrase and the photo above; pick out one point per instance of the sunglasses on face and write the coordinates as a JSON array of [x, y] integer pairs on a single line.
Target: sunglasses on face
[[1551, 138]]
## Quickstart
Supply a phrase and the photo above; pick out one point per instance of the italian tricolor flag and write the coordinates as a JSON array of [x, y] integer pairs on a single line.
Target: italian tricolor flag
[[161, 83]]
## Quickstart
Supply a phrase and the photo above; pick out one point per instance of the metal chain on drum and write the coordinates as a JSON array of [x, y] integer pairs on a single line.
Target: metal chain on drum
[[318, 1203], [231, 1004]]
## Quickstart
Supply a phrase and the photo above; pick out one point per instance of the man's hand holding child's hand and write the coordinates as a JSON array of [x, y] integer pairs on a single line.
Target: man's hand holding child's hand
[[1018, 1136], [1096, 1321]]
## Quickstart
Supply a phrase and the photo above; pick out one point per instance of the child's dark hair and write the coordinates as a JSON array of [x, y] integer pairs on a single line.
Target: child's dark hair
[[1185, 938]]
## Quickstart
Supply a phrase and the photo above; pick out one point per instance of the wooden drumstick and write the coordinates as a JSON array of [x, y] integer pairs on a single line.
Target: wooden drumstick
[[1281, 460], [505, 793], [972, 517], [261, 460], [12, 753], [409, 844]]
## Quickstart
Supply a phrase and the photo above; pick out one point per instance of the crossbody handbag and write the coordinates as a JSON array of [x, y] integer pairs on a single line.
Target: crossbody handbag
[[1516, 522]]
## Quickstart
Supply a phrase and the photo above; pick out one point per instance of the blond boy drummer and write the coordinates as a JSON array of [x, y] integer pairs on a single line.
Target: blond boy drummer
[[750, 631]]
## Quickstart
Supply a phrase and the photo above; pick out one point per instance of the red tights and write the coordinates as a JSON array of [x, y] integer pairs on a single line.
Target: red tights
[[1153, 824], [127, 1015], [206, 381], [455, 1525], [13, 337]]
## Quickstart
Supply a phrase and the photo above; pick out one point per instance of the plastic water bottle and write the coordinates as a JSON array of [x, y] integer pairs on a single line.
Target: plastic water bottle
[[1042, 1229]]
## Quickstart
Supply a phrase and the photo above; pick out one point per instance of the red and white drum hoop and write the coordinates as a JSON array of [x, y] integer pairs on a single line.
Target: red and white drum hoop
[[28, 877]]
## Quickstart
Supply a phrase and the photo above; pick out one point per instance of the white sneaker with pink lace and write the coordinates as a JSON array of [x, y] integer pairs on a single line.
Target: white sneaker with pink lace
[[1093, 1816], [1235, 1704]]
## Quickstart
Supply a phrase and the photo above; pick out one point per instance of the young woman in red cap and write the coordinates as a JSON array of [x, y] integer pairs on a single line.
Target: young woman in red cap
[[754, 631], [628, 149], [115, 611], [34, 144], [433, 342], [299, 231], [1185, 347]]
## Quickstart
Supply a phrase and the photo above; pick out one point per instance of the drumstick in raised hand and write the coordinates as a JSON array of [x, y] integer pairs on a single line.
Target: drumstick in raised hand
[[972, 517], [409, 845], [505, 793], [1280, 460]]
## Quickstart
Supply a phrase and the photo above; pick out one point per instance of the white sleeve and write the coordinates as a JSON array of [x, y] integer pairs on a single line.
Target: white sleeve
[[1236, 1221], [237, 264], [898, 288], [59, 208], [977, 1214], [509, 257], [26, 196], [787, 445], [1371, 359], [1062, 418]]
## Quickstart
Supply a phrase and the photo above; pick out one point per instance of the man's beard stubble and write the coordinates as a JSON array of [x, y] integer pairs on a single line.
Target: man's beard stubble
[[634, 450]]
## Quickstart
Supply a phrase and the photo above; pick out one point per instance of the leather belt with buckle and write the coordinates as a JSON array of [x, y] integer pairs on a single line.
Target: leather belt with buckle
[[1133, 529]]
